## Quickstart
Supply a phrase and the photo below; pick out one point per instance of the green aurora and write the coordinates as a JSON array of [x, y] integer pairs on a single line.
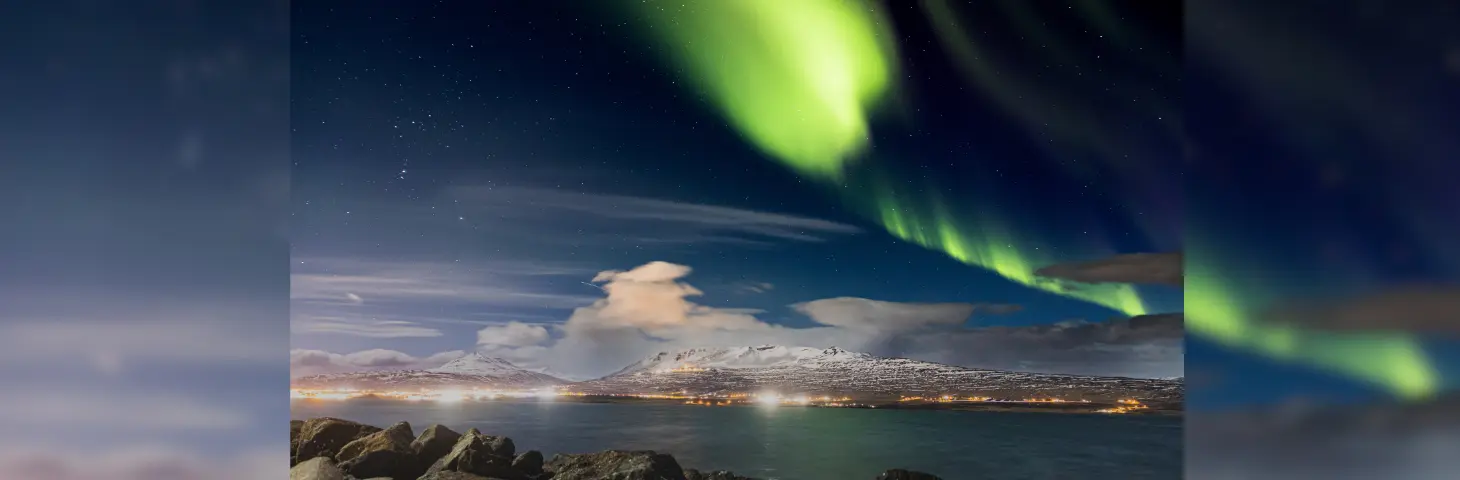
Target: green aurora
[[802, 89], [1222, 311]]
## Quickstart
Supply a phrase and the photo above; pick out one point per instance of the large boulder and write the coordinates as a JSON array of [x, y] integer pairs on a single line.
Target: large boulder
[[397, 436], [324, 436], [900, 474], [615, 465], [485, 455], [529, 463], [294, 427], [692, 474], [500, 446], [435, 442], [386, 453], [318, 468]]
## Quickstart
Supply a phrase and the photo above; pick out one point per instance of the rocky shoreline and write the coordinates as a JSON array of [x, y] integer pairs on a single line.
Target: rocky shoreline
[[334, 449]]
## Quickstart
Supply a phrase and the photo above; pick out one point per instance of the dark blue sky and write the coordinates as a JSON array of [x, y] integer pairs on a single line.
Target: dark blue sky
[[541, 144], [1320, 166]]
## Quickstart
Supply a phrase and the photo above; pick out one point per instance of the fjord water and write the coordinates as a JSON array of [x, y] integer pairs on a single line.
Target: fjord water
[[794, 443]]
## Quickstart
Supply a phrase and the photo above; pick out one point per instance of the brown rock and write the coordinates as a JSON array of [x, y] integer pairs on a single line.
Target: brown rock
[[318, 468], [478, 454], [616, 465], [324, 436], [435, 442], [294, 427], [900, 474], [397, 436], [386, 453], [383, 463], [529, 463]]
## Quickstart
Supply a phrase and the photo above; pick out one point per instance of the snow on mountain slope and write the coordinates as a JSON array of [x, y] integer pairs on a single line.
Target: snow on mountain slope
[[835, 371], [478, 364], [475, 370], [763, 356], [554, 373]]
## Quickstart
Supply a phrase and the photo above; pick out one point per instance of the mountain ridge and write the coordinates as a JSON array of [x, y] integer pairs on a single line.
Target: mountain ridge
[[473, 370], [837, 371], [801, 370]]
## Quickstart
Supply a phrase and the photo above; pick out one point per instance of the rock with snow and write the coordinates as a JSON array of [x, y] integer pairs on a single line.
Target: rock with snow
[[834, 371]]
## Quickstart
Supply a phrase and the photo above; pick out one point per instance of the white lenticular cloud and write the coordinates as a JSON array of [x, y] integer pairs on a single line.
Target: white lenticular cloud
[[513, 334], [861, 313]]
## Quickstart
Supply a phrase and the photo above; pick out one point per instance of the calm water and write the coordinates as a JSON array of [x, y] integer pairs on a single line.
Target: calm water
[[791, 443]]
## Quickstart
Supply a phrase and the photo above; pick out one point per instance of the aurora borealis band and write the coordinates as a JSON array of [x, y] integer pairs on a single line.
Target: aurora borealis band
[[802, 90], [804, 85], [987, 243], [1220, 310]]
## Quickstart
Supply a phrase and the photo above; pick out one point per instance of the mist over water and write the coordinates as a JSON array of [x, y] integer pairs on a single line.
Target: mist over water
[[790, 443]]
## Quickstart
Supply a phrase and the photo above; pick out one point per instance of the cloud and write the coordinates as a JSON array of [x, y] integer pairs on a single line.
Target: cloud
[[756, 287], [1139, 268], [365, 328], [671, 222], [332, 281], [861, 313], [1433, 309], [382, 299], [513, 334], [651, 299], [1148, 346], [650, 309], [305, 362]]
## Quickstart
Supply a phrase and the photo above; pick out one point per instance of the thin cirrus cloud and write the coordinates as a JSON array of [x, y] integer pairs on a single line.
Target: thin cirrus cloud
[[671, 221], [382, 299]]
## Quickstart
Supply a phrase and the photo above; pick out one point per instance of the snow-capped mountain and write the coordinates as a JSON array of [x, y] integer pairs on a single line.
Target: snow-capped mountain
[[475, 370], [554, 373], [732, 358], [834, 371]]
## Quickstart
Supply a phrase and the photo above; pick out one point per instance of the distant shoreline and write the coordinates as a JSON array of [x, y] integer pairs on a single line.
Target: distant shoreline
[[1091, 408], [1040, 407]]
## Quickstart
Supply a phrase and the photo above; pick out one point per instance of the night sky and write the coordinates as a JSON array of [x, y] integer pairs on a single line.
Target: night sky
[[1321, 176], [462, 166]]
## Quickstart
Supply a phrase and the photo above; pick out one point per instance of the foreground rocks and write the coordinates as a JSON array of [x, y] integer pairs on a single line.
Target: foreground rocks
[[335, 449]]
